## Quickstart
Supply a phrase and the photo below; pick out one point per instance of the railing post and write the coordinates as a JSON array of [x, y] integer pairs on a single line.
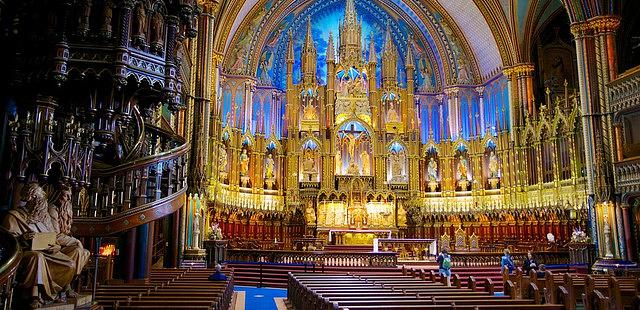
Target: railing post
[[96, 255]]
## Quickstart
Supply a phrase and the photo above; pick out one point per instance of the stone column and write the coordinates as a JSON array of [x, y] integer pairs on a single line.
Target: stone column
[[596, 59]]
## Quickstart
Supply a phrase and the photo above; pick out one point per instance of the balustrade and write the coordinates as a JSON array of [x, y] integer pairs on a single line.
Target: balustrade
[[481, 259], [331, 259]]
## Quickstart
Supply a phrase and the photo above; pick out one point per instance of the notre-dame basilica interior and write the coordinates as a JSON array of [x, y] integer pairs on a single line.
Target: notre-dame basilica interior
[[337, 154]]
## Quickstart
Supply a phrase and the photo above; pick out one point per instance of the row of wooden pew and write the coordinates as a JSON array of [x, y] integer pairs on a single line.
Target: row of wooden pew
[[573, 290], [313, 291], [170, 288]]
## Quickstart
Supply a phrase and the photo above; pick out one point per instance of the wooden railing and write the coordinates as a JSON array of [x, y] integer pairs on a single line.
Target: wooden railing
[[136, 192], [10, 255], [479, 259], [628, 175], [320, 258]]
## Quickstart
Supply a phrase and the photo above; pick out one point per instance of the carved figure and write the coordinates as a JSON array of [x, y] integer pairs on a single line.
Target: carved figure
[[269, 166], [396, 166], [244, 163], [432, 170], [493, 165], [157, 27], [463, 168], [366, 165], [309, 112], [141, 20], [309, 162], [62, 219], [392, 115], [463, 74], [310, 214], [44, 273], [338, 162], [107, 16]]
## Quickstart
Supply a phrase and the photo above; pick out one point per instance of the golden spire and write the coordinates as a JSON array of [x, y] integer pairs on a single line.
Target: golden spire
[[290, 54], [350, 37], [409, 61], [373, 58], [331, 54], [309, 57], [389, 62]]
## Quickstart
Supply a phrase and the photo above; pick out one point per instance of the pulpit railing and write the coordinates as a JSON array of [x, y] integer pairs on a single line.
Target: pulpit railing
[[9, 261], [138, 191], [319, 258]]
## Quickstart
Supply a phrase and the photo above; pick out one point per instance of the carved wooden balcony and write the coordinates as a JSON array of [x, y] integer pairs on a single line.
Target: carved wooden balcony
[[628, 175]]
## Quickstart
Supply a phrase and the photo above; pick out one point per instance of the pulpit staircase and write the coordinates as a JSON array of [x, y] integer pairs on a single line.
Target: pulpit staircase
[[149, 184]]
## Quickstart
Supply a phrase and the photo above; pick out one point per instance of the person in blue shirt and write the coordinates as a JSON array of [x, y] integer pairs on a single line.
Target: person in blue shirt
[[444, 265], [218, 275], [506, 262]]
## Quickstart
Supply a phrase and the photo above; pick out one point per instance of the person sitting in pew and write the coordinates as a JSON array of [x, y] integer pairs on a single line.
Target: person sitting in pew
[[507, 262], [530, 263], [218, 275], [444, 265]]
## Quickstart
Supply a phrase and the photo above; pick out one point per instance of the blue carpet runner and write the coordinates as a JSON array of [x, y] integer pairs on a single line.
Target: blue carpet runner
[[260, 298]]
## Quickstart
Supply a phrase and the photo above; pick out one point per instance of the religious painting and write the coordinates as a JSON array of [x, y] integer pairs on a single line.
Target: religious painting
[[354, 150], [557, 64], [310, 161], [426, 78], [397, 163]]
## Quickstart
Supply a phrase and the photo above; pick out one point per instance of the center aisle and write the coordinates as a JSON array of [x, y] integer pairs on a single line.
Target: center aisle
[[261, 298]]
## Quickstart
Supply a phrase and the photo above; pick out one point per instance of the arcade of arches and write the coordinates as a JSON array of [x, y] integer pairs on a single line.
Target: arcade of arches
[[157, 126]]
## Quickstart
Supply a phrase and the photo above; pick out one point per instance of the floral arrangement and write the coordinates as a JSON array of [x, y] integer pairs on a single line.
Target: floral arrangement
[[579, 235], [215, 233]]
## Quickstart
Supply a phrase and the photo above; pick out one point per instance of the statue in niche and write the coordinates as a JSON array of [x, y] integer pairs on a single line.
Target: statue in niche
[[366, 164], [196, 231], [44, 272], [83, 17], [157, 27], [107, 16], [141, 20], [310, 214], [269, 166], [352, 143], [463, 168], [338, 162], [244, 163], [308, 162], [62, 218], [396, 166], [392, 115], [402, 216], [493, 165], [432, 170], [309, 112]]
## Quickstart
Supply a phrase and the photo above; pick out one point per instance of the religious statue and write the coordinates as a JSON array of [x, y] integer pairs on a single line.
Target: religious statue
[[392, 115], [366, 165], [463, 74], [141, 20], [44, 273], [463, 167], [157, 29], [426, 74], [196, 231], [309, 162], [269, 166], [493, 165], [396, 166], [62, 218], [309, 113], [352, 142], [432, 170], [244, 163], [107, 16], [310, 214]]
